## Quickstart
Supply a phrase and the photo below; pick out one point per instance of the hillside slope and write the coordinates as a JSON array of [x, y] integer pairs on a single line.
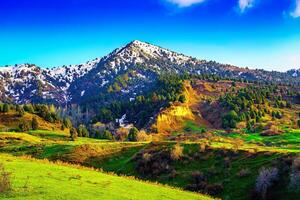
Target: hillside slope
[[123, 74], [43, 180]]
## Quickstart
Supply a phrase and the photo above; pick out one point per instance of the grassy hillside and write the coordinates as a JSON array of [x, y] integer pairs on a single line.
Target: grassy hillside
[[43, 180], [229, 163], [11, 121], [231, 140]]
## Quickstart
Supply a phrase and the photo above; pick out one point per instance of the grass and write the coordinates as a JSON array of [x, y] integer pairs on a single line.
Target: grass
[[212, 163], [190, 127], [254, 153], [43, 180], [288, 140]]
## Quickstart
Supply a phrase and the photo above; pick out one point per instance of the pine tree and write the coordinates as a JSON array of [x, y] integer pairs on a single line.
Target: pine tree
[[73, 134], [132, 136], [35, 123]]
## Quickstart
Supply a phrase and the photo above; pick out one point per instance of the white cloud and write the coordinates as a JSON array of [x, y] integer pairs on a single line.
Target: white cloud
[[245, 4], [296, 12], [185, 3]]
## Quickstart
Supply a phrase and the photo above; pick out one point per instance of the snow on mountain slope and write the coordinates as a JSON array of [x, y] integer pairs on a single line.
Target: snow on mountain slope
[[123, 74], [29, 83], [69, 73], [294, 72]]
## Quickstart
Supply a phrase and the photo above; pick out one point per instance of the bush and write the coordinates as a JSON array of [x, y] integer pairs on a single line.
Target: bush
[[35, 124], [132, 136], [5, 108], [143, 136], [271, 131], [20, 110], [107, 135], [177, 152], [67, 123], [230, 120], [182, 99], [265, 180], [153, 163], [243, 173], [121, 134], [24, 126], [73, 134], [82, 131], [28, 108], [5, 184]]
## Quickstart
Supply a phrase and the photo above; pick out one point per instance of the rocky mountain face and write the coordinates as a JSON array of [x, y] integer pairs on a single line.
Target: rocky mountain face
[[123, 74]]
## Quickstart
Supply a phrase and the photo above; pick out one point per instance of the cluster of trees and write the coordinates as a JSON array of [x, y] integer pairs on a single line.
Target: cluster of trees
[[47, 112], [168, 89], [80, 131], [120, 82], [123, 134], [4, 108], [252, 103], [25, 126]]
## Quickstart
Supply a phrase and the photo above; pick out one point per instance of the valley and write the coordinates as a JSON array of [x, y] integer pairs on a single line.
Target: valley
[[143, 119]]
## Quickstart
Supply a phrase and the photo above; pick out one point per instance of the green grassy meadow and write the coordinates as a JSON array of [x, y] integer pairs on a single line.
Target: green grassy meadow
[[33, 179], [221, 160]]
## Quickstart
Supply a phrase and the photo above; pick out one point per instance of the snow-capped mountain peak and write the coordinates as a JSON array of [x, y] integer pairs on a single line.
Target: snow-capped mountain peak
[[125, 73]]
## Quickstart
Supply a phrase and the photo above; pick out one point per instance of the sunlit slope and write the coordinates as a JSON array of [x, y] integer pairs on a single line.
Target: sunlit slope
[[42, 180]]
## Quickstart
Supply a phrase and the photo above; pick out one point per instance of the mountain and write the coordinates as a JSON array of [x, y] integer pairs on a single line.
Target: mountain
[[294, 72], [123, 74]]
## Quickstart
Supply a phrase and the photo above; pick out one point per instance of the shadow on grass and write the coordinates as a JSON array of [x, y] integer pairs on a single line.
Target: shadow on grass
[[54, 152], [49, 135]]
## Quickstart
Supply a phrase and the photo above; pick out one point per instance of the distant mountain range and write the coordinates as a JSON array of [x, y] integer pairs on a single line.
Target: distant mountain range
[[123, 74]]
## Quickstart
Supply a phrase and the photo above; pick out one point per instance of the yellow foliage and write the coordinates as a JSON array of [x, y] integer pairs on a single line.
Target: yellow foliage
[[19, 136], [177, 152], [172, 118]]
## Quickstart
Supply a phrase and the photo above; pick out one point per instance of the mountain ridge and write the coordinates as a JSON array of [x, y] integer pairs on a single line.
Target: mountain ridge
[[140, 63]]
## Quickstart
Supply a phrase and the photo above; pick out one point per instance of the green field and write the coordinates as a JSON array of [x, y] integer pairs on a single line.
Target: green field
[[221, 161], [43, 180]]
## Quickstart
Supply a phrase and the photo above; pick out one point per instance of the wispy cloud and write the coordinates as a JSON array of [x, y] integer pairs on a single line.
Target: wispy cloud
[[296, 12], [185, 3], [245, 4]]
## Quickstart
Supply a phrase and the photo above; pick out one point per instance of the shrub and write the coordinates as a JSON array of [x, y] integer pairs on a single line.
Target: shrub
[[177, 152], [143, 136], [28, 108], [24, 126], [214, 189], [20, 110], [5, 184], [243, 173], [107, 135], [132, 136], [182, 99], [82, 131], [73, 133], [121, 134], [202, 146], [271, 131], [67, 123], [153, 163], [34, 124], [5, 108], [230, 120], [265, 179]]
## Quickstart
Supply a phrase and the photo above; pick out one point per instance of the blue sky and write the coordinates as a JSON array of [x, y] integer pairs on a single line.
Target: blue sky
[[253, 33]]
